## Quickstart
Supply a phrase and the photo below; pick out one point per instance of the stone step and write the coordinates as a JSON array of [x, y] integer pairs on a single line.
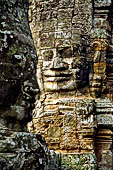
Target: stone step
[[110, 75], [110, 83], [110, 78], [110, 54]]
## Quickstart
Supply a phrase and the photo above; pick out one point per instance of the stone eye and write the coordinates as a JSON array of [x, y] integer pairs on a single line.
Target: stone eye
[[66, 53], [48, 55], [16, 59]]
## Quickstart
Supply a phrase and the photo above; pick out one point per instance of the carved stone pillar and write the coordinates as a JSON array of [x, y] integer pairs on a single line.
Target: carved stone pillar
[[101, 37]]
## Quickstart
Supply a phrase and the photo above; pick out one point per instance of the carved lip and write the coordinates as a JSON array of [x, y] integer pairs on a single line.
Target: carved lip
[[51, 76], [53, 79], [57, 74]]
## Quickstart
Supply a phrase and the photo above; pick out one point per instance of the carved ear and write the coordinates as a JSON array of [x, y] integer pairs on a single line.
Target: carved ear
[[96, 45], [99, 45]]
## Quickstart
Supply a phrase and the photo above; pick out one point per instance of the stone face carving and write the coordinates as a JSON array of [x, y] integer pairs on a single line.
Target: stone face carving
[[19, 150], [63, 75], [99, 46], [17, 66], [61, 69], [72, 39]]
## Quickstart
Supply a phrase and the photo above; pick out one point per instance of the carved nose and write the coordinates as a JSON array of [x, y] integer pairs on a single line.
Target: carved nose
[[58, 64], [31, 90]]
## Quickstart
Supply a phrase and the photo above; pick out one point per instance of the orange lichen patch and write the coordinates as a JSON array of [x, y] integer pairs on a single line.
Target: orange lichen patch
[[96, 45], [100, 68], [99, 45], [102, 64]]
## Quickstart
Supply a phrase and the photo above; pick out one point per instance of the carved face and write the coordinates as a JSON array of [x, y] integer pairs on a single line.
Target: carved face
[[16, 80], [60, 69]]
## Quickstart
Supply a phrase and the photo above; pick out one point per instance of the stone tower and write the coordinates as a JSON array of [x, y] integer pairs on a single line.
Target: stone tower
[[74, 107]]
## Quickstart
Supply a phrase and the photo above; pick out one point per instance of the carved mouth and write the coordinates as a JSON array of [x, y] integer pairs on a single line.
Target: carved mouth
[[57, 86], [57, 79], [57, 76]]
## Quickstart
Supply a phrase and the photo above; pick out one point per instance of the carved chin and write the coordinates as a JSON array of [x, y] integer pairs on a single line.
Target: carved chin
[[57, 86]]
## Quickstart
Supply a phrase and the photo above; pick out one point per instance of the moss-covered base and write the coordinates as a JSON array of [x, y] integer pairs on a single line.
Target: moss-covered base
[[58, 161]]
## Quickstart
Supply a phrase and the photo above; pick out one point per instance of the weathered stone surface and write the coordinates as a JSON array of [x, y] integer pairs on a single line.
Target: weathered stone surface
[[67, 126], [58, 161], [17, 64], [19, 150], [74, 108]]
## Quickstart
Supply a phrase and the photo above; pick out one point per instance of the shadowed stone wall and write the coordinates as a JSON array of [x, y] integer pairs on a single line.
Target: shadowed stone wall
[[19, 150]]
